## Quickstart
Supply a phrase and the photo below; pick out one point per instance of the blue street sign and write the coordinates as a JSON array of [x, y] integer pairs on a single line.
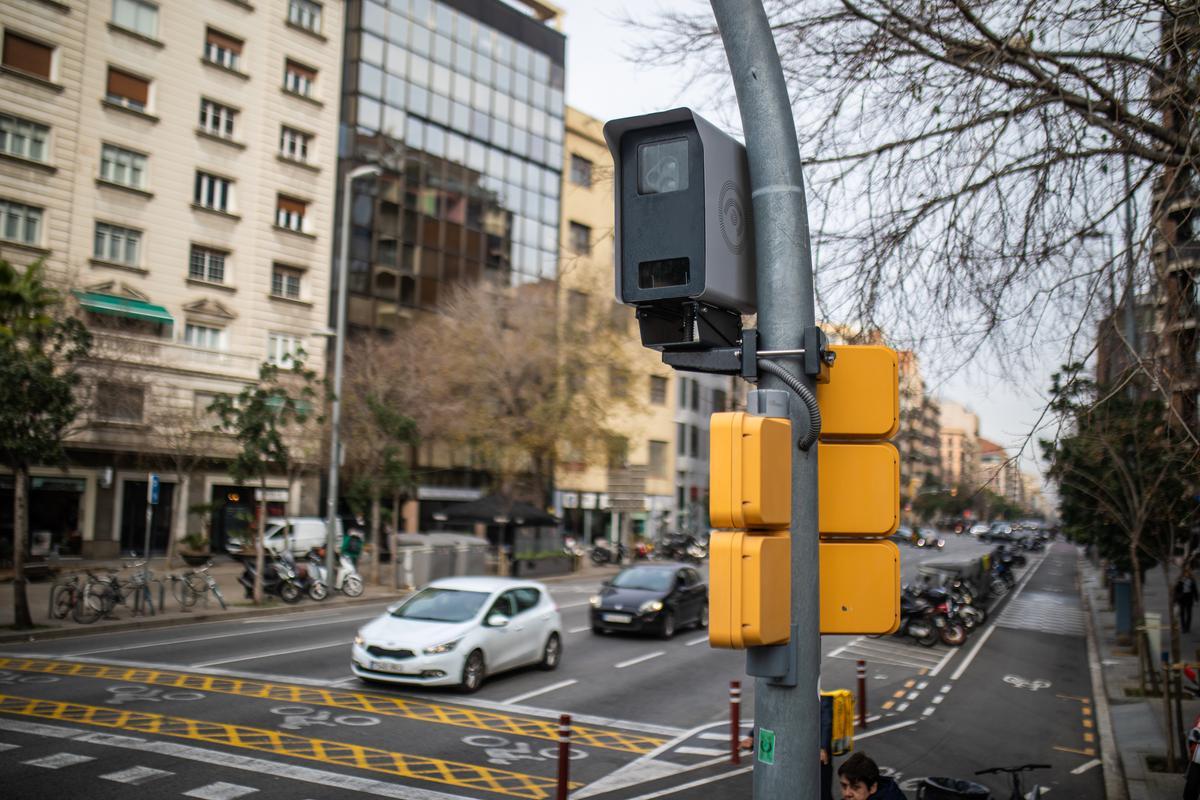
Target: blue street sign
[[153, 489]]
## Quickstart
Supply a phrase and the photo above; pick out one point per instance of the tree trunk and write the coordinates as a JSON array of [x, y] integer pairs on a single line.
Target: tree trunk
[[21, 619], [258, 545], [373, 535], [1168, 683], [178, 527], [1139, 624]]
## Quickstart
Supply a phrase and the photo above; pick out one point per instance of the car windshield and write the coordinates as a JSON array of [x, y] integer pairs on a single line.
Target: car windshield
[[442, 605], [646, 578]]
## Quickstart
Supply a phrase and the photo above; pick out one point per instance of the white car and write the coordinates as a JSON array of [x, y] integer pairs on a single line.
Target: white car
[[457, 631]]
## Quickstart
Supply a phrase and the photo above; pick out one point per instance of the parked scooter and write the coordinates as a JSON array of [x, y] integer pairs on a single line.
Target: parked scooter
[[957, 612], [682, 547], [602, 553], [306, 578], [916, 620], [278, 579], [348, 582]]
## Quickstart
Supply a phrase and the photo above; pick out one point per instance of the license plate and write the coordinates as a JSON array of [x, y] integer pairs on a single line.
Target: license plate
[[623, 618], [387, 666]]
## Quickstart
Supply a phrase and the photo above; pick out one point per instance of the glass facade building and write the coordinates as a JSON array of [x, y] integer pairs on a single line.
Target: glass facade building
[[462, 103]]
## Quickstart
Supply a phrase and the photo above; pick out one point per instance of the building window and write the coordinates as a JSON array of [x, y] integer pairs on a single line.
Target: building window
[[207, 264], [617, 448], [306, 14], [577, 305], [694, 441], [719, 400], [285, 282], [222, 50], [683, 391], [680, 439], [618, 382], [28, 56], [216, 118], [658, 390], [120, 402], [282, 348], [127, 90], [118, 165], [289, 213], [213, 192], [580, 239], [205, 336], [23, 139], [293, 144], [20, 223], [117, 244], [658, 459], [581, 171], [299, 79], [137, 16]]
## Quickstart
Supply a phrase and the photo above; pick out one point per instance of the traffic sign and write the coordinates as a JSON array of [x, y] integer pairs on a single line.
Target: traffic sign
[[152, 490]]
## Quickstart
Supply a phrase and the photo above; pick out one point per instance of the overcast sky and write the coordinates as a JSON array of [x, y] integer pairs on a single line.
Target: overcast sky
[[602, 82]]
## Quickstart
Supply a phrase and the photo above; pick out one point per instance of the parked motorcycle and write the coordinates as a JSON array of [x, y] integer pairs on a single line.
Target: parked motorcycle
[[278, 579], [603, 553], [682, 547], [348, 582], [957, 612], [916, 620]]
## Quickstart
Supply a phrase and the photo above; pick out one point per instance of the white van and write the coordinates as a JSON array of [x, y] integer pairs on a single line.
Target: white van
[[301, 534]]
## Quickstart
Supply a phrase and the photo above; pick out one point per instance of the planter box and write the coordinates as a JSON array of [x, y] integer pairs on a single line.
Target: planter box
[[537, 567], [195, 559]]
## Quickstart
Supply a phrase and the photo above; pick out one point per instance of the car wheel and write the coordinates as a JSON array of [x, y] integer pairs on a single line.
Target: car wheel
[[551, 653], [702, 620], [473, 672], [668, 625]]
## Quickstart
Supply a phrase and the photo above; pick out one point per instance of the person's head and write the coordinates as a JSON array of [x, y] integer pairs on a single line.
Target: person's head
[[858, 776]]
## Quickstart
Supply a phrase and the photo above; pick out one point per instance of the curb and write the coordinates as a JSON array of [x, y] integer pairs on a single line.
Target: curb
[[1115, 787]]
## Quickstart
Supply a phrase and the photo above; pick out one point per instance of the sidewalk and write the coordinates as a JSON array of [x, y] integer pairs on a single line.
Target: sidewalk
[[1138, 725], [225, 570]]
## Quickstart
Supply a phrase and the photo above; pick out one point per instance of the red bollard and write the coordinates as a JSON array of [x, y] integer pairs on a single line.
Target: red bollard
[[862, 694], [564, 755], [735, 721]]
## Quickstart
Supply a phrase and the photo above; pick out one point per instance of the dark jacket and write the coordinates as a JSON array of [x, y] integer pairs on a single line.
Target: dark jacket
[[887, 789]]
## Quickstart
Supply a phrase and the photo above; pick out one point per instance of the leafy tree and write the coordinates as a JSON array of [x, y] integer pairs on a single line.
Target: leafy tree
[[260, 418], [1125, 478], [40, 349]]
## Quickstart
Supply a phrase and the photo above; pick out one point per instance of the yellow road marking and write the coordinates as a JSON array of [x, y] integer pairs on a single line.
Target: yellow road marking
[[1087, 712], [1083, 700], [1089, 737], [1087, 723], [1087, 751], [454, 773], [898, 694], [888, 705], [923, 671], [460, 716], [909, 684]]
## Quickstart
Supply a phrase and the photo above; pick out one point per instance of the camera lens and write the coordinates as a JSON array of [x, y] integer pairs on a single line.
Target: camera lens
[[663, 166]]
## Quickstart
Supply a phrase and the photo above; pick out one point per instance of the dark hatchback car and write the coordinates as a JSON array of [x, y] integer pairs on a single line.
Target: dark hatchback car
[[655, 598]]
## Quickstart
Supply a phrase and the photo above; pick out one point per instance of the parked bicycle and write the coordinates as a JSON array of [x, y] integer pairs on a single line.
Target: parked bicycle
[[64, 595], [101, 594], [953, 789], [195, 584]]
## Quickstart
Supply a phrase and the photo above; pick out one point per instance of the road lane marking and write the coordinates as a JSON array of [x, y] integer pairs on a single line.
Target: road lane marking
[[903, 706], [580, 629], [290, 651], [561, 606], [59, 760], [1087, 751], [908, 684], [406, 765], [912, 695], [938, 698], [228, 760], [923, 684], [974, 652], [588, 731], [190, 639], [928, 711], [1085, 766], [352, 679], [700, 751], [888, 729], [693, 784], [888, 705], [220, 791], [136, 776], [719, 737], [552, 687], [639, 659], [898, 694], [937, 670], [696, 641]]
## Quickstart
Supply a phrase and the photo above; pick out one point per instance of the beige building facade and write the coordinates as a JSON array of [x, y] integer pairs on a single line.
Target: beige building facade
[[958, 434], [644, 462], [174, 166]]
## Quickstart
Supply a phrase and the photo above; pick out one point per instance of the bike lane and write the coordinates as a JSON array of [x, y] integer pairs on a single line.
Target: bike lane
[[421, 741]]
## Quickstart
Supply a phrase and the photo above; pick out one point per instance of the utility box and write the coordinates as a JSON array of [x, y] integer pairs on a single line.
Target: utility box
[[749, 589], [750, 471]]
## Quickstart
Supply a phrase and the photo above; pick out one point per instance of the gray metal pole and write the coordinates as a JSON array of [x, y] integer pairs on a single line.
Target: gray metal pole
[[339, 357], [785, 309]]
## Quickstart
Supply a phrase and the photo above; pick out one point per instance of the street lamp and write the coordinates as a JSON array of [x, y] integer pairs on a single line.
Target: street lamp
[[339, 356]]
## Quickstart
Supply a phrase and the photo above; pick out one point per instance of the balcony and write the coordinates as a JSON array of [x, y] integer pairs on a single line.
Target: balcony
[[166, 354], [1180, 256]]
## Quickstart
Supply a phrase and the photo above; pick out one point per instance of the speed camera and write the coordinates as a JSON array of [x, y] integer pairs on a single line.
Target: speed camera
[[684, 235]]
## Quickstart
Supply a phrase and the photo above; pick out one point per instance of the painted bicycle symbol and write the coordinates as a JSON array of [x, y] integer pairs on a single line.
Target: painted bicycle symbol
[[144, 694], [298, 717], [8, 677], [501, 751], [1025, 683]]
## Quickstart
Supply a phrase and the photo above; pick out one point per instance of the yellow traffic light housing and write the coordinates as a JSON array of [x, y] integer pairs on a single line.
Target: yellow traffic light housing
[[859, 489], [861, 401], [749, 589], [750, 471], [860, 587]]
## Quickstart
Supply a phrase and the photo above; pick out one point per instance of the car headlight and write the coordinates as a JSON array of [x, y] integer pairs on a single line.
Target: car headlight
[[594, 600], [359, 640], [442, 648], [650, 607]]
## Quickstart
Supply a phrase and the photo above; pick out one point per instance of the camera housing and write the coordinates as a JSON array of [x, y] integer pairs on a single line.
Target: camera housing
[[684, 232]]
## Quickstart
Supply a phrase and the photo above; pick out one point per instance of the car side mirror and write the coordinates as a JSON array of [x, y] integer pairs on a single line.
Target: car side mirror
[[497, 621]]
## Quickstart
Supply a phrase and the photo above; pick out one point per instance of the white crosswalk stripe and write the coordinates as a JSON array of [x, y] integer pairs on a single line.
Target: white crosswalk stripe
[[220, 791], [7, 746], [1047, 612], [136, 775], [890, 650], [59, 760]]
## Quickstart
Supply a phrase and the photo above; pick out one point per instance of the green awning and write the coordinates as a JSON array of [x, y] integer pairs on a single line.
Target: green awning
[[124, 307]]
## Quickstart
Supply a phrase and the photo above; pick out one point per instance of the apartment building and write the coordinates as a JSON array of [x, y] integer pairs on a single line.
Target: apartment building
[[174, 166], [958, 434], [918, 439], [642, 462], [1000, 474]]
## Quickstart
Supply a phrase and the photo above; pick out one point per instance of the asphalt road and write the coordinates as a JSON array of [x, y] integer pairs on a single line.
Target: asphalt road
[[268, 707]]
